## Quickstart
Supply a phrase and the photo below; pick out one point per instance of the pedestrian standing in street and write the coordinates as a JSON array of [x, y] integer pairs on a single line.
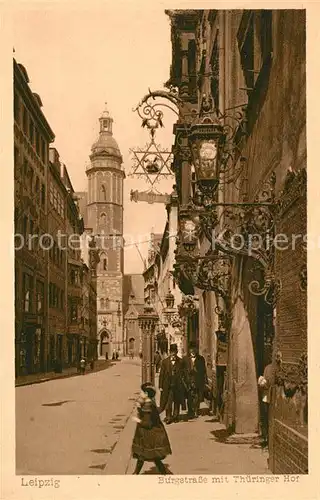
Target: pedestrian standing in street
[[107, 356], [171, 385], [265, 383], [150, 441], [82, 366], [195, 373]]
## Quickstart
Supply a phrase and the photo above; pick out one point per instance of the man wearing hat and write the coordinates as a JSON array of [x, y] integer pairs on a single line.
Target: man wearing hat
[[171, 385], [196, 378]]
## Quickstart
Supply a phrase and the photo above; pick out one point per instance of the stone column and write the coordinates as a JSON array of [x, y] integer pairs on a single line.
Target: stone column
[[147, 323]]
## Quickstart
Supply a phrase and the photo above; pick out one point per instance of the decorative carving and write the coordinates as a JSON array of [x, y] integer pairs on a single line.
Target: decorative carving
[[210, 272], [224, 320], [295, 187], [292, 377], [232, 124], [153, 163], [188, 306]]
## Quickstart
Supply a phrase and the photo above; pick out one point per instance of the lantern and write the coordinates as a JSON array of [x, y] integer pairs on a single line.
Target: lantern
[[206, 140], [169, 300]]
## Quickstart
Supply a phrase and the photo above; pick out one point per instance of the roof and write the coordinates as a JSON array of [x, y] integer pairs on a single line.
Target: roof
[[31, 99], [106, 143], [133, 291]]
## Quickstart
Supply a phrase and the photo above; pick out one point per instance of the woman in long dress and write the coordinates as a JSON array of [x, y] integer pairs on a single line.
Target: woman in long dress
[[150, 442]]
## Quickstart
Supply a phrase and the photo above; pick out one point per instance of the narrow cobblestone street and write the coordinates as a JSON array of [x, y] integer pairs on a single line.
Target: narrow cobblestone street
[[83, 425]]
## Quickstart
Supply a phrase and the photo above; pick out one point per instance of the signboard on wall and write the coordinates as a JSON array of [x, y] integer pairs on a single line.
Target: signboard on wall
[[222, 353]]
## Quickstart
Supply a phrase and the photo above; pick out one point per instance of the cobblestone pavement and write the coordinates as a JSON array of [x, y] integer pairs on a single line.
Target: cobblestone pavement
[[71, 426]]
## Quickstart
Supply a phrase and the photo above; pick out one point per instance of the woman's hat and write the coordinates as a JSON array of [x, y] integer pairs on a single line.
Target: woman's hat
[[149, 389]]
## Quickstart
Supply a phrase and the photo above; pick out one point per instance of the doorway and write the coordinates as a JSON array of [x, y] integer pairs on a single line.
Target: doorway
[[104, 344]]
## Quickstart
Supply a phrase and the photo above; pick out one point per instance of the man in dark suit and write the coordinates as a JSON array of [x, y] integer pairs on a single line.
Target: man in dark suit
[[195, 372], [265, 384], [171, 385]]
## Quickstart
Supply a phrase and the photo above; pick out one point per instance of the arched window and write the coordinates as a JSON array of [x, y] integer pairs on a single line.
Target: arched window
[[103, 193], [103, 262], [103, 219], [101, 303]]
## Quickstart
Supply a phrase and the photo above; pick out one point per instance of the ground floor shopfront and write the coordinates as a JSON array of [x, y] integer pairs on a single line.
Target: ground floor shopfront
[[36, 352], [30, 347]]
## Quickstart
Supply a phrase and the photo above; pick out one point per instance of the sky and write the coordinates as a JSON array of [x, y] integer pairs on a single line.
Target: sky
[[78, 58]]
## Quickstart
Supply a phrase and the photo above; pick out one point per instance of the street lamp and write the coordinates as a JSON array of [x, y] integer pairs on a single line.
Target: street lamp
[[205, 141], [147, 323]]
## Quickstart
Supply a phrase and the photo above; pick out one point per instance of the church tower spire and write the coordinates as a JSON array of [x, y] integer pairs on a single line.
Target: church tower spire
[[105, 217], [106, 121]]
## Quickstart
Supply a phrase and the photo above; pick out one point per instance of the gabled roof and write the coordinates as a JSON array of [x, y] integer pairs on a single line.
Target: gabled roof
[[132, 311], [133, 291]]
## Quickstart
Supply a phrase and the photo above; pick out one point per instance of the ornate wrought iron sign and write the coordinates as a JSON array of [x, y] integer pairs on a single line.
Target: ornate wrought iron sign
[[151, 163], [149, 196]]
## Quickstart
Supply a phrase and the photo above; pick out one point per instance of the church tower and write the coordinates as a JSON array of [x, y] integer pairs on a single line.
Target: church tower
[[105, 218]]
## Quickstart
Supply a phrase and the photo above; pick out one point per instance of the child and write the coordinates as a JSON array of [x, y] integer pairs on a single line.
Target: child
[[82, 366], [150, 442]]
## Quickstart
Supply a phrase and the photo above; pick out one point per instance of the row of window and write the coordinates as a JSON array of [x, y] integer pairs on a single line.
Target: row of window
[[104, 303], [56, 200], [32, 303], [73, 311], [57, 255], [75, 277], [24, 119], [31, 181], [29, 229], [33, 298], [56, 296], [108, 193]]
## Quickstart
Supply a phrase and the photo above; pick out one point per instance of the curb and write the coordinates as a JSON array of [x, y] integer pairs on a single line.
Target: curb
[[121, 456], [59, 377]]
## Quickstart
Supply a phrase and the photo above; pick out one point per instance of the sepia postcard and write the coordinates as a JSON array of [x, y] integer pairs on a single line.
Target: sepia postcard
[[159, 227]]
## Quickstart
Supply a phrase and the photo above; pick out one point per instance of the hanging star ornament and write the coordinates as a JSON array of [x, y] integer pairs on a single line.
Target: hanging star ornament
[[151, 163]]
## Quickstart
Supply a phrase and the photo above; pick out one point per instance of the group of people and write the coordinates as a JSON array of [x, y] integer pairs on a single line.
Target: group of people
[[180, 379]]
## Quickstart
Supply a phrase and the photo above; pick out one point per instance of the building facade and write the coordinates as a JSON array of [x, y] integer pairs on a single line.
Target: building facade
[[56, 264], [133, 303], [74, 343], [103, 212], [32, 137], [244, 71], [89, 313], [160, 287], [52, 283]]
